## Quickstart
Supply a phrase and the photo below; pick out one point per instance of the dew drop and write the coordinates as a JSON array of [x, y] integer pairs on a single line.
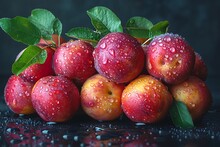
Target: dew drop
[[104, 60], [45, 131], [172, 49], [103, 45], [153, 43], [76, 138], [111, 52], [168, 39], [51, 123], [140, 124]]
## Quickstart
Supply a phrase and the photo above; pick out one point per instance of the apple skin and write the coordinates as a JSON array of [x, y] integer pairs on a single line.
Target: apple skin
[[101, 98], [55, 98], [146, 100], [36, 71], [18, 95], [170, 58], [119, 57], [74, 60], [195, 94], [200, 69]]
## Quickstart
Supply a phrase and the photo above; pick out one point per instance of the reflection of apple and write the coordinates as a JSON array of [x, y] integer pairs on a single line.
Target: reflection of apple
[[18, 95], [119, 57], [55, 98], [101, 98], [146, 99], [195, 94]]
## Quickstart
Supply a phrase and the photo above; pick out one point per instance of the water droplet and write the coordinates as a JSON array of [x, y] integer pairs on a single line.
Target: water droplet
[[172, 49], [111, 52], [149, 65], [179, 61], [103, 45], [15, 141], [140, 124], [167, 39], [76, 138], [104, 60], [153, 43], [51, 123]]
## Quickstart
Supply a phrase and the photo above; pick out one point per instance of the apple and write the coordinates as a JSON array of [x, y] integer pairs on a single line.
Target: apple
[[200, 69], [119, 57], [74, 60], [101, 98], [146, 100], [36, 71], [55, 98], [170, 58], [18, 95], [55, 42], [195, 94]]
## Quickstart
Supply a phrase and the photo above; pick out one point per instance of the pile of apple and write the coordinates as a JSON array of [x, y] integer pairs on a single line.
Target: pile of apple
[[144, 73]]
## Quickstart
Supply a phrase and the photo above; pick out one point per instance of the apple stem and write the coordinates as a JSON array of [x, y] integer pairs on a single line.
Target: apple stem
[[58, 41], [145, 42]]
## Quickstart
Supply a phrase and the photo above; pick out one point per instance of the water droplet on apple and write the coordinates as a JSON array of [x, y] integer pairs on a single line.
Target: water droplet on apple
[[112, 52], [103, 45], [167, 39], [153, 43], [172, 49]]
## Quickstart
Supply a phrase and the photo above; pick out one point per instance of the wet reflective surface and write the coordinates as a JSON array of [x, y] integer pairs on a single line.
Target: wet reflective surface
[[18, 130]]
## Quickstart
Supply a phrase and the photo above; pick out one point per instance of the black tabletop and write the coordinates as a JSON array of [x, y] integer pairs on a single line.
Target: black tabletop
[[31, 130]]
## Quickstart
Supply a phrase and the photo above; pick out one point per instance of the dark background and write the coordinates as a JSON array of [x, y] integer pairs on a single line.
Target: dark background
[[197, 21]]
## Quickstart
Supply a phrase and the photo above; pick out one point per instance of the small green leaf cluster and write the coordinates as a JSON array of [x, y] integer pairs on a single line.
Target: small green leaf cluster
[[42, 24], [105, 21]]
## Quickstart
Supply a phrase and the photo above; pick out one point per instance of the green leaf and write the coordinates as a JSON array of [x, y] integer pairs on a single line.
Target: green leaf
[[159, 28], [104, 20], [139, 27], [21, 30], [31, 55], [86, 34], [44, 20], [57, 27], [180, 115]]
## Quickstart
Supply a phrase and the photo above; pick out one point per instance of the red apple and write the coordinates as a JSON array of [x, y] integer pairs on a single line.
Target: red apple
[[146, 100], [36, 71], [18, 95], [101, 98], [200, 69], [74, 60], [170, 58], [195, 94], [55, 98], [119, 57], [55, 42]]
